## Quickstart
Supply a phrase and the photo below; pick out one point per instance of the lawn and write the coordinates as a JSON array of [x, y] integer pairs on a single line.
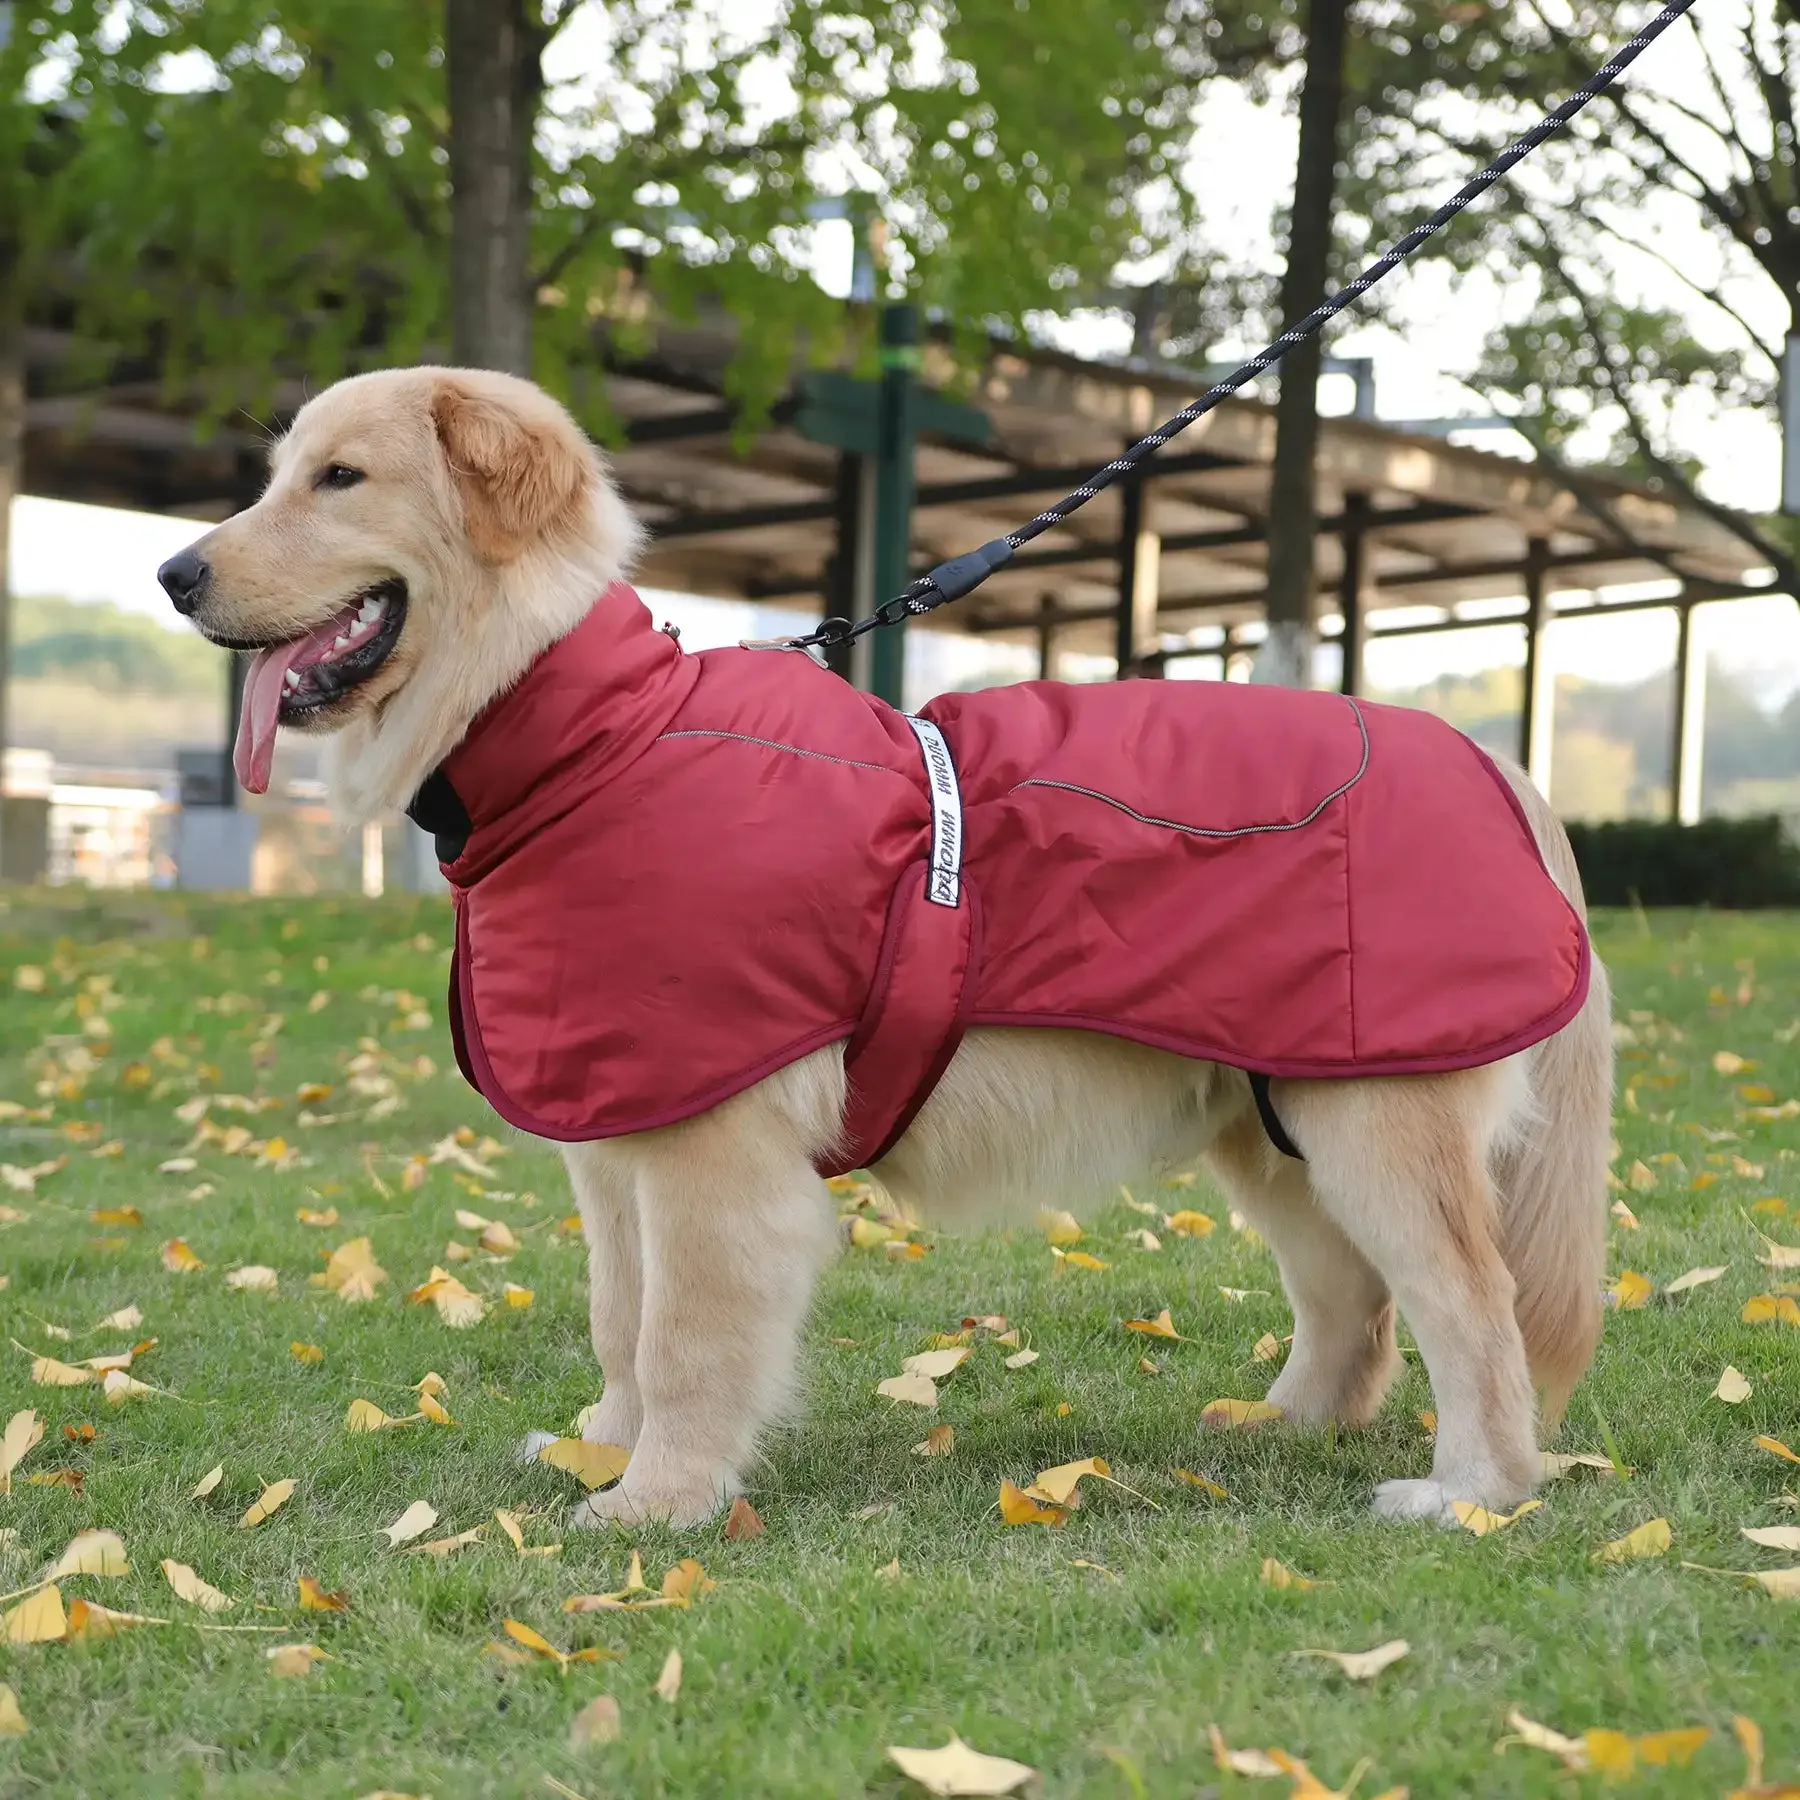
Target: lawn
[[885, 1603]]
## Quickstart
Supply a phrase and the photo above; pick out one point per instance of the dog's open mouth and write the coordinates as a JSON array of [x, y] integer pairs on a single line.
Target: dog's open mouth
[[292, 682]]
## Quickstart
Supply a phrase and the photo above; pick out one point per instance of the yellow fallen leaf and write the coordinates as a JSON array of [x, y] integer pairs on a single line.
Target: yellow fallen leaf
[[1555, 1466], [127, 1318], [1232, 1415], [1728, 1062], [1780, 1584], [1572, 1751], [1774, 1537], [1188, 1224], [471, 1221], [1020, 1359], [24, 1432], [289, 1660], [911, 1389], [1750, 1741], [1058, 1486], [1763, 1309], [1267, 1348], [1695, 1278], [12, 1721], [351, 1272], [958, 1769], [1631, 1291], [118, 1387], [91, 1553], [498, 1240], [1278, 1575], [365, 1415], [1076, 1259], [1642, 1177], [936, 1365], [1237, 1296], [1652, 1538], [1018, 1508], [273, 1498], [208, 1482], [596, 1723], [1775, 1447], [1733, 1388], [1478, 1521], [866, 1234], [37, 1619], [90, 1621], [1146, 1240], [685, 1582], [311, 1093], [314, 1598], [593, 1465], [257, 1278], [1363, 1665], [1059, 1227], [189, 1586], [445, 1546], [414, 1522], [1781, 1256], [433, 1409], [1624, 1215], [1201, 1482], [455, 1304], [1162, 1326], [940, 1440], [46, 1371], [1254, 1763], [517, 1296], [668, 1683], [314, 1215], [742, 1521], [306, 1353], [178, 1259], [116, 1215]]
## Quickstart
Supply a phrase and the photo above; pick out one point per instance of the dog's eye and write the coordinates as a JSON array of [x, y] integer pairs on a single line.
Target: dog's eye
[[337, 475]]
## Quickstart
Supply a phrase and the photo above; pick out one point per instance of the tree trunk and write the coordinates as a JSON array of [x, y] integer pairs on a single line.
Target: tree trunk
[[12, 469], [493, 50], [1286, 656]]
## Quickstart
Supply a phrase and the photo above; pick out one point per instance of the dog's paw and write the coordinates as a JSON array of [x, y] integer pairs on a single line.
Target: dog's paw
[[1414, 1500], [621, 1506], [532, 1443]]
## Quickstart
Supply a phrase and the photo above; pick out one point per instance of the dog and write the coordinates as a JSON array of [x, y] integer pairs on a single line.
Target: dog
[[430, 537]]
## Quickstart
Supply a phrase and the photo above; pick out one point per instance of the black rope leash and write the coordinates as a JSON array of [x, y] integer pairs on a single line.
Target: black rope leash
[[962, 574]]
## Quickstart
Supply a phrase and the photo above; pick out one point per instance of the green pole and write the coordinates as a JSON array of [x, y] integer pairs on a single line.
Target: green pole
[[894, 485]]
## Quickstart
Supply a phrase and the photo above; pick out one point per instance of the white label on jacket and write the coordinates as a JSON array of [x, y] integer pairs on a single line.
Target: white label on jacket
[[943, 880]]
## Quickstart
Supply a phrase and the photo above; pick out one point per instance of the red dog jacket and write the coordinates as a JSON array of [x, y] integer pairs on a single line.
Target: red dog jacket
[[675, 874]]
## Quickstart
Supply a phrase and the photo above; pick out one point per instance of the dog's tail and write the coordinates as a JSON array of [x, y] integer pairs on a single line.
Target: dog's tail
[[1552, 1177]]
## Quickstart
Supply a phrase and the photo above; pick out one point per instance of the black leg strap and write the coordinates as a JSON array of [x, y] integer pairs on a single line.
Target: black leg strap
[[1271, 1120]]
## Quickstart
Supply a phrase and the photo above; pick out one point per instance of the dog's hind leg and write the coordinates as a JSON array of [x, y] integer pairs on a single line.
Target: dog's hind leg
[[1400, 1165], [734, 1226], [1343, 1357], [605, 1199]]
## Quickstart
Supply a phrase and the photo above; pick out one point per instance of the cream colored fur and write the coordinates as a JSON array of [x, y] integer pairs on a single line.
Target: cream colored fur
[[1474, 1202]]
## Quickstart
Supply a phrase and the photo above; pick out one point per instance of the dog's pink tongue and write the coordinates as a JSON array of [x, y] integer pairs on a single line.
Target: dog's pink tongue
[[254, 753]]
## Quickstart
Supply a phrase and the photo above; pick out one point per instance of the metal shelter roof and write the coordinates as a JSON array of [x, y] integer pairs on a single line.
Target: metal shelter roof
[[1436, 525]]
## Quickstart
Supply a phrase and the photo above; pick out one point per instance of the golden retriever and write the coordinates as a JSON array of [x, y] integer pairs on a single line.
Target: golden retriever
[[442, 528]]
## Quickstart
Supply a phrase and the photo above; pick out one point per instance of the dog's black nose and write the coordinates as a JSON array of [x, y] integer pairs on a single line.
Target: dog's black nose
[[184, 576]]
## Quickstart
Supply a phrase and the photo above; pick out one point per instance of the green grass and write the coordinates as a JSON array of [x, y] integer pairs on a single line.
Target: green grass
[[804, 1664]]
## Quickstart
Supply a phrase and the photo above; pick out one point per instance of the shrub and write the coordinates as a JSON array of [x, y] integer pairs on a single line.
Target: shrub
[[1732, 863]]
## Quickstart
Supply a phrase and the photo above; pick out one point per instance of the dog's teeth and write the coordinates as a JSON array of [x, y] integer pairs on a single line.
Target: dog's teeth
[[371, 611], [340, 643], [293, 680]]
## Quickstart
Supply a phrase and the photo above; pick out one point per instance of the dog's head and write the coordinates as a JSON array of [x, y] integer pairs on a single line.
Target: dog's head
[[425, 533]]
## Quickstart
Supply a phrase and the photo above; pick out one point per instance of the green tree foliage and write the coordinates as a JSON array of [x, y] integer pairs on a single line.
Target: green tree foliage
[[1614, 326]]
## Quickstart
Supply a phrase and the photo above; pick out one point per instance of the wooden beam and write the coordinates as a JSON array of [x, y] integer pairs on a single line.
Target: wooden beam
[[1537, 707], [1351, 580]]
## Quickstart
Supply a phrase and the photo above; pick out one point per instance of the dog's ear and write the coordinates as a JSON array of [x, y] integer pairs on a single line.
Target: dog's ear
[[519, 473]]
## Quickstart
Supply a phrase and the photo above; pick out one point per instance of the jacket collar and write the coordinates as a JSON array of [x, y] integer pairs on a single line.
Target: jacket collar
[[581, 714]]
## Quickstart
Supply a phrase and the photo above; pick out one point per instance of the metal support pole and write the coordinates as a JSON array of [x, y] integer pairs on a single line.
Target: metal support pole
[[1046, 638], [894, 487], [1140, 555], [847, 569], [1537, 709], [237, 666], [1686, 758], [1350, 591]]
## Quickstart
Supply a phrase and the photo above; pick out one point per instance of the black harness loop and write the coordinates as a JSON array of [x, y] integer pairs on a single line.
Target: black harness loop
[[1271, 1119]]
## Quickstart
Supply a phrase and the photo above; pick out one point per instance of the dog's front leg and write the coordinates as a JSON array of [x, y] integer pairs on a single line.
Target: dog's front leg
[[734, 1226], [605, 1198]]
